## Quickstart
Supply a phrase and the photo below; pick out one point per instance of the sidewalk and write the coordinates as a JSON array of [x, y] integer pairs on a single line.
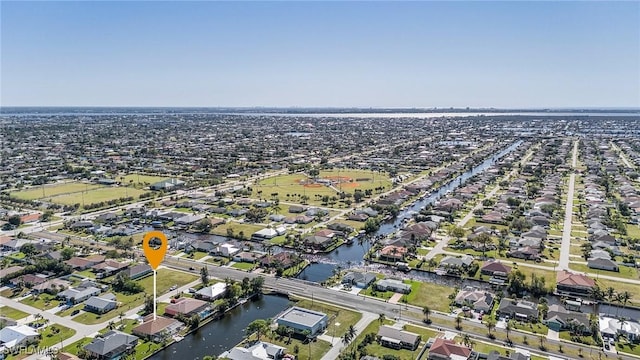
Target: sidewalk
[[337, 347]]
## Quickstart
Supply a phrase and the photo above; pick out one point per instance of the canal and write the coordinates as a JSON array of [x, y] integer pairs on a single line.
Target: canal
[[353, 254], [220, 335]]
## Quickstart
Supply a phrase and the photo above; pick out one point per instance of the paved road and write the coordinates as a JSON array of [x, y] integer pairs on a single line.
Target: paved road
[[363, 304], [565, 247], [622, 155], [439, 248]]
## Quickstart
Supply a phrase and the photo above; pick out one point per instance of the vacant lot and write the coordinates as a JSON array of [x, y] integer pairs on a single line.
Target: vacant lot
[[46, 191], [12, 313]]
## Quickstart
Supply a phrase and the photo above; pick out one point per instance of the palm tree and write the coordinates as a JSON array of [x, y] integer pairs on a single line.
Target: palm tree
[[381, 318], [426, 311], [490, 323], [346, 339], [507, 328], [458, 322], [466, 339], [610, 293], [351, 331]]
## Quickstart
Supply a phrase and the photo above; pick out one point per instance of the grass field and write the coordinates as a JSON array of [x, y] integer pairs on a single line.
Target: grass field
[[42, 301], [97, 195], [55, 334], [289, 184], [53, 190], [247, 229], [243, 266], [141, 179], [12, 313], [311, 351], [625, 271]]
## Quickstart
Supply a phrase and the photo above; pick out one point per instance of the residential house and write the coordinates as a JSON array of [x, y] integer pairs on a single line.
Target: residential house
[[443, 349], [392, 253], [264, 234], [476, 299], [464, 261], [495, 269], [248, 257], [188, 307], [15, 336], [100, 304], [157, 329], [518, 309], [397, 338], [359, 279], [318, 242], [569, 283], [284, 259], [258, 351], [393, 285], [611, 328], [78, 294], [111, 345], [302, 320], [603, 264], [138, 271], [559, 318], [212, 292]]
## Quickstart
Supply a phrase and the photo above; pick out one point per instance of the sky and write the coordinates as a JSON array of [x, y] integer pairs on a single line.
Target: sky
[[509, 54]]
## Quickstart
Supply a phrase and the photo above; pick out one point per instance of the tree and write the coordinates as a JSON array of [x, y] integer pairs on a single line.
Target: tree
[[204, 225], [259, 327], [426, 311], [352, 332], [256, 284], [46, 216], [67, 253], [148, 305], [507, 328], [466, 339], [204, 275], [490, 323], [459, 322], [381, 318], [371, 225], [457, 232], [15, 220], [28, 249], [483, 239]]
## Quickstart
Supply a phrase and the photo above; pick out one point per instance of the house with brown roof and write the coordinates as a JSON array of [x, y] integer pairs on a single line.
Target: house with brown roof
[[187, 307], [495, 268], [392, 253], [443, 349], [569, 283], [157, 329]]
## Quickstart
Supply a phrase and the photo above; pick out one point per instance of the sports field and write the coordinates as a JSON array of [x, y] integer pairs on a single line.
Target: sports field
[[41, 192], [140, 179], [329, 182], [97, 195]]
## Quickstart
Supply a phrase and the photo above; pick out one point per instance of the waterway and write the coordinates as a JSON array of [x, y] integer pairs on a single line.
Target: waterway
[[353, 254], [220, 335]]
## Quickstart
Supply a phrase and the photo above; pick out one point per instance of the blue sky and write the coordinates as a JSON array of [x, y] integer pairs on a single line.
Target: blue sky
[[378, 54]]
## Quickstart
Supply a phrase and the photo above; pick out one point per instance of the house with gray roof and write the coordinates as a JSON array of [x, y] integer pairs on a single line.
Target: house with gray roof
[[301, 319], [397, 338], [112, 345], [101, 304], [393, 285]]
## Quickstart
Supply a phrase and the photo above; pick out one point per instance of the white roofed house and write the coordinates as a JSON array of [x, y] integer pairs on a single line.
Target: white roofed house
[[12, 337], [212, 292], [264, 234]]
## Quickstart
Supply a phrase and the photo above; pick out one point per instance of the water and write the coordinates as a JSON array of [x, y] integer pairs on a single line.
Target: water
[[218, 336], [354, 254]]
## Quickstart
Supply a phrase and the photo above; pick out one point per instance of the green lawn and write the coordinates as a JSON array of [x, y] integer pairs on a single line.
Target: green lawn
[[537, 328], [311, 351], [87, 273], [379, 351], [198, 255], [54, 334], [12, 313], [42, 301], [628, 348], [434, 296], [144, 349], [620, 287], [97, 195], [73, 348], [53, 190], [141, 179], [344, 317], [126, 325], [244, 266], [165, 279], [566, 335], [294, 270], [625, 271], [247, 229], [290, 184]]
